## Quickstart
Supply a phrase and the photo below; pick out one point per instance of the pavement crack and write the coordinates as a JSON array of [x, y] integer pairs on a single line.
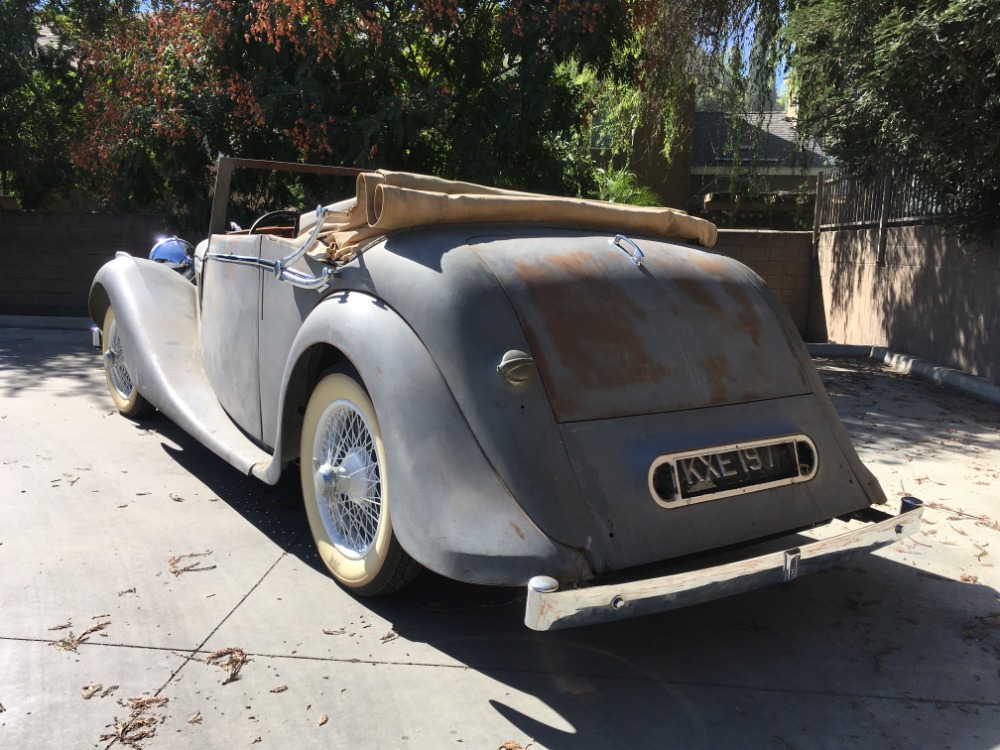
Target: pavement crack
[[191, 656]]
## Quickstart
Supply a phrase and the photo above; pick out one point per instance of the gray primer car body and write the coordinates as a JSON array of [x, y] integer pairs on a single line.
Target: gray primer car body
[[496, 482]]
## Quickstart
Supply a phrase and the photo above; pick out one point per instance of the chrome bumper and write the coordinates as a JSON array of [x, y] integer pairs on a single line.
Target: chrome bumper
[[549, 608]]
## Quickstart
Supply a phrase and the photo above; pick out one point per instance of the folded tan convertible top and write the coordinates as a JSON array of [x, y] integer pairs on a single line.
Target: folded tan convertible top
[[389, 201]]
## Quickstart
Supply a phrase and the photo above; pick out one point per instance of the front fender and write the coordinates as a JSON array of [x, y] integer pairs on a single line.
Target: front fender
[[450, 510], [152, 305]]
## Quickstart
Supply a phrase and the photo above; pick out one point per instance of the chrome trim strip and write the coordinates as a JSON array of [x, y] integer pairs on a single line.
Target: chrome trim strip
[[280, 267], [673, 458], [549, 608]]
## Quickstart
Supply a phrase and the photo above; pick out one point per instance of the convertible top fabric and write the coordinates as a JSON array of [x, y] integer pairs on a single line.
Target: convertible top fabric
[[390, 201]]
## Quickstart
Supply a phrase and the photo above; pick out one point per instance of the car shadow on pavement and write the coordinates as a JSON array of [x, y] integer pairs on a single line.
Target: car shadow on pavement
[[876, 653], [275, 510]]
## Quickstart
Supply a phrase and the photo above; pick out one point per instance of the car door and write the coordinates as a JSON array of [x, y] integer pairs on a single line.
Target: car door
[[230, 321]]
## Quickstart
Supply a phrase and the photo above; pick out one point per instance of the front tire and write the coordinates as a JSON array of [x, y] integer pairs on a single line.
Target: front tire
[[342, 465], [121, 385]]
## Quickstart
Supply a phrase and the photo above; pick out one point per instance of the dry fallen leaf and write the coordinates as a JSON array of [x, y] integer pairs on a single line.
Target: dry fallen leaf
[[390, 636], [194, 567], [255, 741], [63, 626], [231, 659], [143, 702], [127, 591], [89, 691], [967, 578], [194, 718], [279, 689], [140, 725], [71, 642], [341, 631], [323, 718]]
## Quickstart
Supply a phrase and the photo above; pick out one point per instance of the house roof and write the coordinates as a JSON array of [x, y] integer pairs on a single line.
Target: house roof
[[773, 133]]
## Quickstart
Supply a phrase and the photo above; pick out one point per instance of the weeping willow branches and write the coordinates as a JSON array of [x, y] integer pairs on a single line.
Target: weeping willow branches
[[725, 53]]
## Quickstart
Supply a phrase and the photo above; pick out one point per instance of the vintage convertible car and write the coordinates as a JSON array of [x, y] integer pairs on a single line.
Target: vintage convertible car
[[504, 388]]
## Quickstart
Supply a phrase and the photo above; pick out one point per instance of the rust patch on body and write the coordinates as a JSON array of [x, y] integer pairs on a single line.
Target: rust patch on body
[[611, 340], [748, 320], [592, 328], [718, 375], [746, 317]]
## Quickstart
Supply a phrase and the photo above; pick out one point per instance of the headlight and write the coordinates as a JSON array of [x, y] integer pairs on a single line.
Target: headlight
[[172, 250]]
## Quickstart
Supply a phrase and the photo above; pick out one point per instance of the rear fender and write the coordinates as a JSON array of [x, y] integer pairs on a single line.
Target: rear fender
[[450, 510]]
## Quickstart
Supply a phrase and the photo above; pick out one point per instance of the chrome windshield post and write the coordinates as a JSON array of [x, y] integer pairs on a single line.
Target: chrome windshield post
[[281, 266]]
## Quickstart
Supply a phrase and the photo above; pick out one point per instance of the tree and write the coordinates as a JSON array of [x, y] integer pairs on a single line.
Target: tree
[[722, 53], [37, 93], [912, 84], [476, 90], [41, 91]]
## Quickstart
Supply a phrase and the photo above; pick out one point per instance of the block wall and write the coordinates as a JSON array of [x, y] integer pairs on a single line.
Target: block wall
[[48, 259], [935, 296], [782, 259]]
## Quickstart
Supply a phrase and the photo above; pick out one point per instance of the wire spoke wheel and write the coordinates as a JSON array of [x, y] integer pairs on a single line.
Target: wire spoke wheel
[[121, 383], [344, 486], [348, 479]]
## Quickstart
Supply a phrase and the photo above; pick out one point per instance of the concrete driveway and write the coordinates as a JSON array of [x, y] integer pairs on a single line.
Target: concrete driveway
[[151, 596]]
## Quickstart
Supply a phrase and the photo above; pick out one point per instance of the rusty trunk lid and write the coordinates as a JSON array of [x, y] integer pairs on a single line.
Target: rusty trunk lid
[[685, 329]]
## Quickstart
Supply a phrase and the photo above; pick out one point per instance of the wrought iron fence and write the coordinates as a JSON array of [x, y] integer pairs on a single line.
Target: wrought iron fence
[[847, 202]]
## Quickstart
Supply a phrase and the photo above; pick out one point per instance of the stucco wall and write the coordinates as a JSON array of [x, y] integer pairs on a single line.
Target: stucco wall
[[935, 297], [783, 260], [48, 259]]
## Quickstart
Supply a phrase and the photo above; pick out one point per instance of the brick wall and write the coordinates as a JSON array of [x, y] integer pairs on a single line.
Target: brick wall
[[935, 297], [48, 259], [783, 260]]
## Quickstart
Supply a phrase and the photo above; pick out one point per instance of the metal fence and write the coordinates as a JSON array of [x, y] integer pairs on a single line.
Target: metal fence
[[845, 201], [898, 199]]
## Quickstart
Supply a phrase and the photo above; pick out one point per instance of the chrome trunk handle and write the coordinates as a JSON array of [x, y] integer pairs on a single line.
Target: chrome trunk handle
[[634, 254]]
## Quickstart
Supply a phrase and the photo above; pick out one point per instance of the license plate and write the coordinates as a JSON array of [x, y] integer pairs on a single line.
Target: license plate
[[694, 476]]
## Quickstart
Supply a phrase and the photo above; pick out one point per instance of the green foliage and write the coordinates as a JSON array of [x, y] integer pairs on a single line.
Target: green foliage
[[37, 95], [714, 54], [41, 91], [482, 91], [911, 84], [622, 186]]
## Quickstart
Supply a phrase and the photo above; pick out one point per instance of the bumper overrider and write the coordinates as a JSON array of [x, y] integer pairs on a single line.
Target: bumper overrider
[[550, 608]]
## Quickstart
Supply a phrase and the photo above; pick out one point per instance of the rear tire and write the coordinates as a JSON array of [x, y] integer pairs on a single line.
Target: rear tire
[[342, 464], [119, 376]]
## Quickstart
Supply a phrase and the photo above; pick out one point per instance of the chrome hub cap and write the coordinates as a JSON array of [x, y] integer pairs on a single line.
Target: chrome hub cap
[[114, 363], [347, 479]]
